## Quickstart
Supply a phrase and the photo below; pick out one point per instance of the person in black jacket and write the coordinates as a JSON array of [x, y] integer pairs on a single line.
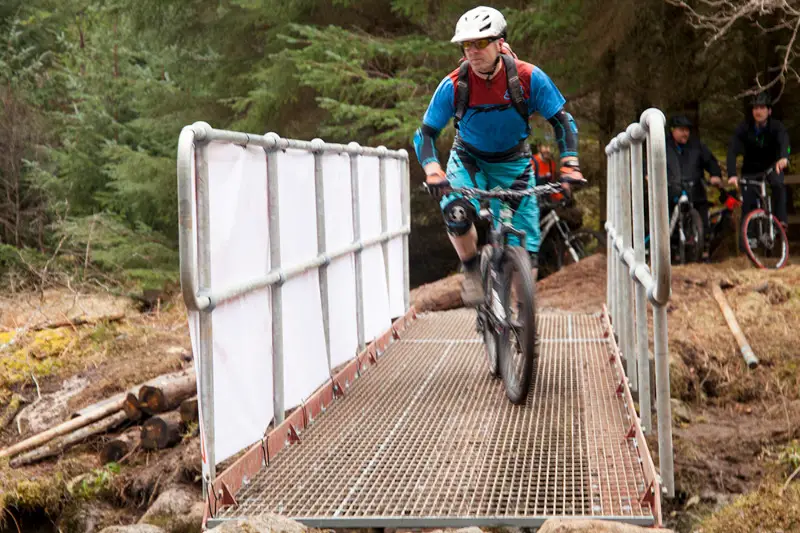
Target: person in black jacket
[[687, 161], [764, 142]]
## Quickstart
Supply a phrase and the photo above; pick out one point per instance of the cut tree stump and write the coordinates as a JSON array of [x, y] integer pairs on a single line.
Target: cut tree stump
[[161, 431], [122, 445], [188, 410], [163, 397], [131, 406]]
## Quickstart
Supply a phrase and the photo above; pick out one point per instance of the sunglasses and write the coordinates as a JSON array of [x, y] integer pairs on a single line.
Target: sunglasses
[[480, 44]]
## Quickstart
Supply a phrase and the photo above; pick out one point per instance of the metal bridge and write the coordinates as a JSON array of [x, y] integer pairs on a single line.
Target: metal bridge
[[337, 422]]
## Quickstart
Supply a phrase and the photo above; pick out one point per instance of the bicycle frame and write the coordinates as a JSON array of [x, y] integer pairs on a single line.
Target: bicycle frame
[[551, 220]]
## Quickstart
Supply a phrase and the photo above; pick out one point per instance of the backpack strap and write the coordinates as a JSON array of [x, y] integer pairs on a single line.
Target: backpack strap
[[462, 92], [515, 87]]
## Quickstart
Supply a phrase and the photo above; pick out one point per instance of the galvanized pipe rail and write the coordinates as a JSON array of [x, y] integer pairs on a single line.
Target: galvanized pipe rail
[[195, 261], [631, 281]]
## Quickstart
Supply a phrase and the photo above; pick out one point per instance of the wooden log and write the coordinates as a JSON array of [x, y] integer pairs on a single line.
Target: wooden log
[[59, 430], [102, 404], [747, 352], [95, 414], [62, 443], [11, 410], [189, 412], [163, 397], [161, 431], [122, 445]]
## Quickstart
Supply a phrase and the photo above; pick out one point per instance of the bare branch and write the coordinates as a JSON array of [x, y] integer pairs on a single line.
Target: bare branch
[[718, 17]]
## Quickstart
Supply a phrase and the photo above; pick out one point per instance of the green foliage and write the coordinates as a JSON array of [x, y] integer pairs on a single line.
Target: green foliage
[[94, 93], [97, 483]]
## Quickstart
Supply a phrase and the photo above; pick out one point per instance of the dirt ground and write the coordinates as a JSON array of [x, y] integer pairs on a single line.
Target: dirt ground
[[736, 431], [113, 349]]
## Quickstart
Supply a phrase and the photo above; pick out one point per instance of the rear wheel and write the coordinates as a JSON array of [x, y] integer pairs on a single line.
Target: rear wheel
[[765, 240], [585, 243], [518, 336], [550, 255]]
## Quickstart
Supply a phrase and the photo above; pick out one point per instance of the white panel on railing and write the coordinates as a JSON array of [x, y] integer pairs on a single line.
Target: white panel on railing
[[305, 363], [242, 349], [376, 294], [394, 219], [338, 195]]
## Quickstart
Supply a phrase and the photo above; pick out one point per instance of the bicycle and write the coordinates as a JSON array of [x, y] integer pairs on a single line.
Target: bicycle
[[506, 318], [561, 246], [689, 225], [763, 236]]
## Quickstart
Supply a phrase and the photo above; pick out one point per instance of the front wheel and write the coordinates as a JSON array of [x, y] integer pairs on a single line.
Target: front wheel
[[518, 337], [693, 233], [488, 324], [764, 240]]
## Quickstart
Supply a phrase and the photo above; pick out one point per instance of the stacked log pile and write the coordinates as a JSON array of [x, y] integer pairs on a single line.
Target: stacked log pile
[[153, 416]]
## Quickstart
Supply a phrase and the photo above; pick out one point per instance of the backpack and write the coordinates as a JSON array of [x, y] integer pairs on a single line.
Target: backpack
[[514, 89]]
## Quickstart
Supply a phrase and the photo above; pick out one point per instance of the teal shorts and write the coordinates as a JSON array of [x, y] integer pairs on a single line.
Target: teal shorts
[[466, 170]]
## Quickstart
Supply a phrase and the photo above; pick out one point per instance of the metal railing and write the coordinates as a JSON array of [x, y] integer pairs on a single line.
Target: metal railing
[[195, 264], [631, 281]]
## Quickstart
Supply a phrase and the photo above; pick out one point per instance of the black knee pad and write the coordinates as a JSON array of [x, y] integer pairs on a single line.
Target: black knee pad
[[458, 216], [534, 259]]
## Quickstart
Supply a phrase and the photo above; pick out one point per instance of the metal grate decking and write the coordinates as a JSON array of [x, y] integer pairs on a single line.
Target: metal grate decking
[[428, 439]]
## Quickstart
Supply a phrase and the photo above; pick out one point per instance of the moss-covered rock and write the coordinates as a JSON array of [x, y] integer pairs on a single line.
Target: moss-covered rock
[[764, 510]]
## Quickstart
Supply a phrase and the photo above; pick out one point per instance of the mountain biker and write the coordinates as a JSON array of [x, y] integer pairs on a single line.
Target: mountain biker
[[490, 97], [543, 163], [687, 160], [764, 142]]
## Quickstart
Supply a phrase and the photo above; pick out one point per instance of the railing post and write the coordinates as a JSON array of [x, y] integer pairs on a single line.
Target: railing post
[[275, 290], [319, 194], [206, 340], [406, 216], [625, 277], [637, 135], [609, 226], [354, 146], [660, 254], [384, 209]]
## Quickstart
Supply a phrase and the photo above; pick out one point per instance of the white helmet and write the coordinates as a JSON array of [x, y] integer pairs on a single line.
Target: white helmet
[[479, 23]]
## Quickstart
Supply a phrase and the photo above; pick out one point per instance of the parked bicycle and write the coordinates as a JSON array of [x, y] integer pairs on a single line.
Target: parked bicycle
[[560, 246], [686, 229], [763, 237]]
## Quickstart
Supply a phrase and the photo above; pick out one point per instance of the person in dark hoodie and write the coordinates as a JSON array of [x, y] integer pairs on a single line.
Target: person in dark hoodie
[[764, 142], [687, 161]]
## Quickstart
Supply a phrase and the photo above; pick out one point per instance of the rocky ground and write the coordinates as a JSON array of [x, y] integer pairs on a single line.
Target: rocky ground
[[736, 430]]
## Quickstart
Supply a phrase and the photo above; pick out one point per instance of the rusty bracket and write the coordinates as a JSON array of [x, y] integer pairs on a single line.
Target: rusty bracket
[[292, 434], [338, 391], [226, 496], [621, 387], [395, 333], [631, 432], [372, 355], [265, 450]]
